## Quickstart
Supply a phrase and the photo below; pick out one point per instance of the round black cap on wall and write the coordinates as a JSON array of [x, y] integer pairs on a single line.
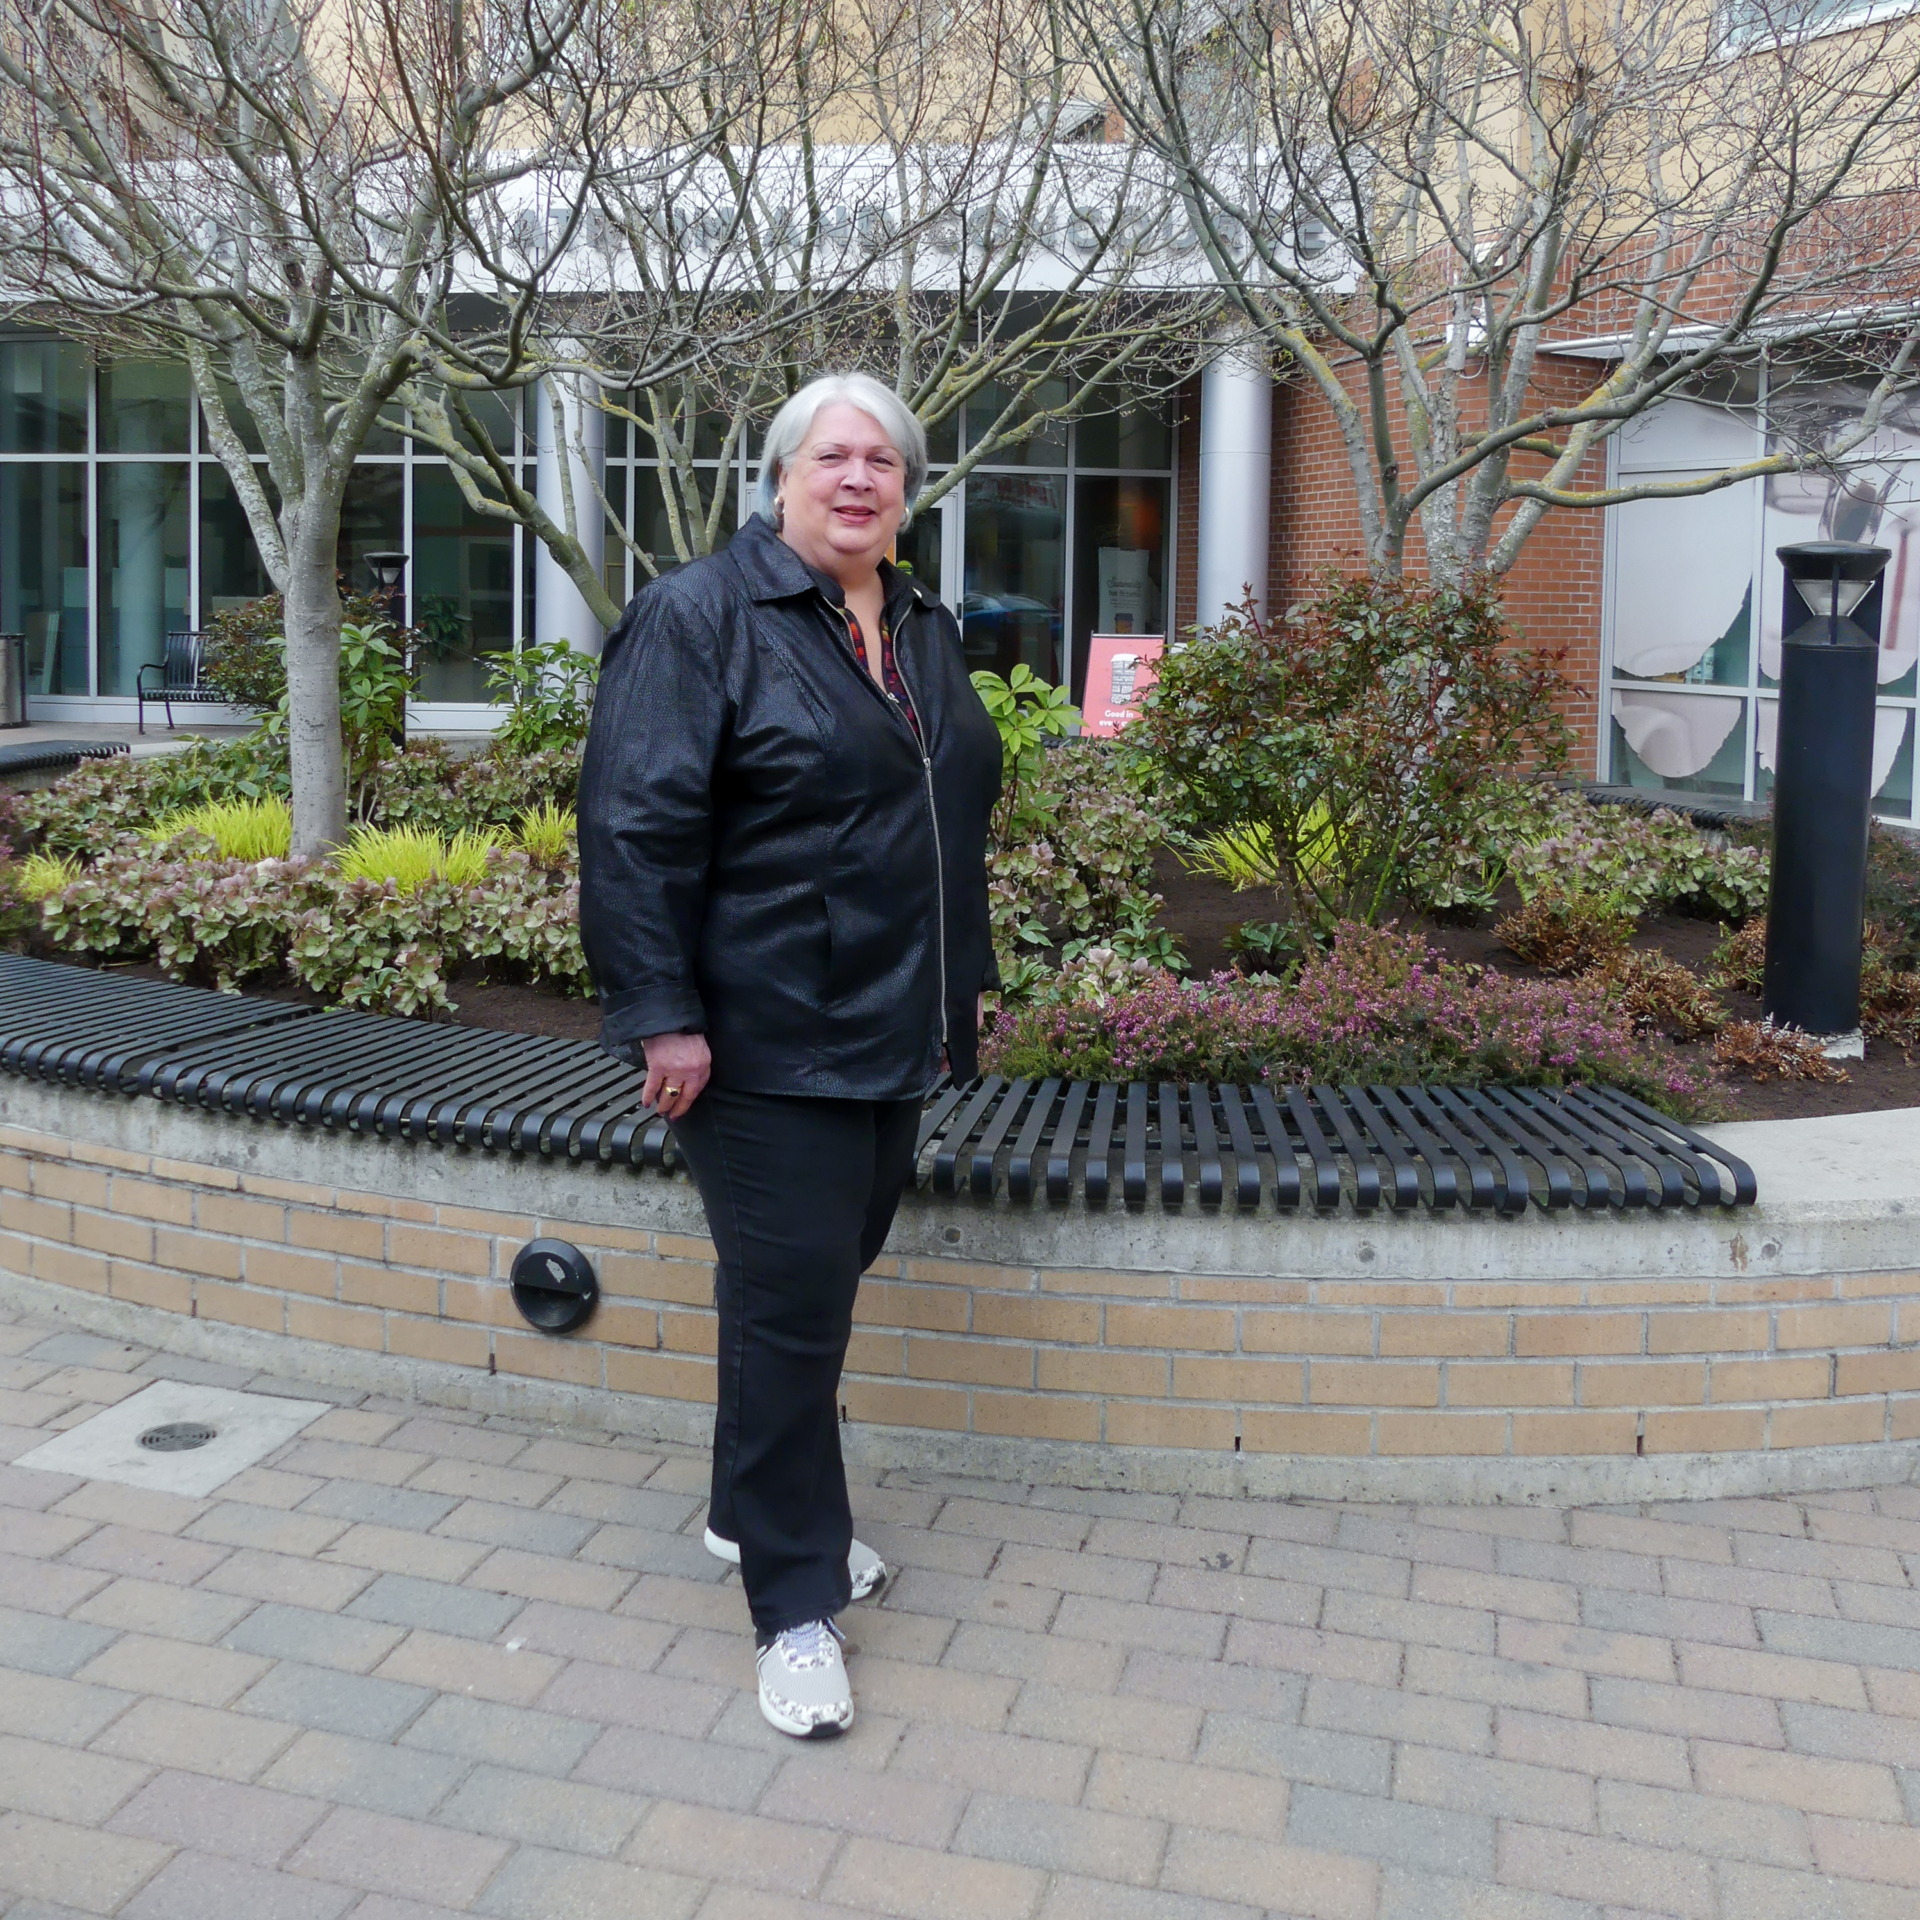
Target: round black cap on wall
[[554, 1285]]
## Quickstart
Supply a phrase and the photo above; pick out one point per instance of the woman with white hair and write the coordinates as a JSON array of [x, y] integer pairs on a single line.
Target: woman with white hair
[[783, 899]]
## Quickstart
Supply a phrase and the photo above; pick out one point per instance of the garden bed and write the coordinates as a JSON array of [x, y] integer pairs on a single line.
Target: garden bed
[[1202, 911]]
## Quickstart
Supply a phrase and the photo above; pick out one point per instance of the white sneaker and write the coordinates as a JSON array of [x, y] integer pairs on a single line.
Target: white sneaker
[[865, 1568], [803, 1682]]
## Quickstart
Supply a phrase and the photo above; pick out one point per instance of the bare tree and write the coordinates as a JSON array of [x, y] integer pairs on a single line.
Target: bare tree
[[297, 196], [898, 186], [1418, 206]]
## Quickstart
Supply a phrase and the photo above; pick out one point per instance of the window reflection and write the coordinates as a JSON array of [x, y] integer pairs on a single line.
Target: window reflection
[[231, 572], [43, 570], [142, 565], [1119, 562], [462, 579], [1010, 612], [43, 397], [143, 407]]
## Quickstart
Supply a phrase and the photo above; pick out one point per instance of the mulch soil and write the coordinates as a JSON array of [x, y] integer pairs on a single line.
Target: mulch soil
[[1201, 911]]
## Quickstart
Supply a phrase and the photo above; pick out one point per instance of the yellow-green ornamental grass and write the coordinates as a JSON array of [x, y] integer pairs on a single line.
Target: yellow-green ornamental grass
[[547, 832], [411, 856], [40, 875], [242, 829]]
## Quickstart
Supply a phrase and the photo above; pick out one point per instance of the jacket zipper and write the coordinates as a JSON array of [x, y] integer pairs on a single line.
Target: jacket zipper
[[919, 730]]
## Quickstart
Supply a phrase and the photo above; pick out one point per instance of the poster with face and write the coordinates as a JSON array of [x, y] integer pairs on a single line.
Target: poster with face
[[1120, 668]]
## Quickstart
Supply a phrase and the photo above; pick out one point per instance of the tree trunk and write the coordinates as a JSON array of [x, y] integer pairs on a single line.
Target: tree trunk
[[316, 754]]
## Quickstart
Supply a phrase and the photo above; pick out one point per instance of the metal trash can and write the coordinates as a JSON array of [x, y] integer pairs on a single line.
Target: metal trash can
[[13, 679]]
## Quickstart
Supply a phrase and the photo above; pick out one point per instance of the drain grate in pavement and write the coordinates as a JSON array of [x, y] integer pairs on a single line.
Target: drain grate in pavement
[[178, 1436]]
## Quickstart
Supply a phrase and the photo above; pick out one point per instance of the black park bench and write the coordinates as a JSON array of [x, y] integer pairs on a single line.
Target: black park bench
[[179, 670]]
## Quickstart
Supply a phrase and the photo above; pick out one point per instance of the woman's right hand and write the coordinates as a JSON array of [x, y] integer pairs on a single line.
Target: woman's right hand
[[678, 1068]]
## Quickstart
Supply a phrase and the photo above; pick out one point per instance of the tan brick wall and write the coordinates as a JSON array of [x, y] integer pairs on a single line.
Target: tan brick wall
[[1393, 1369]]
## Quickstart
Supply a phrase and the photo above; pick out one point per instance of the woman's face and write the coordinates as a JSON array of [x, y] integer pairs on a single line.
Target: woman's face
[[844, 492]]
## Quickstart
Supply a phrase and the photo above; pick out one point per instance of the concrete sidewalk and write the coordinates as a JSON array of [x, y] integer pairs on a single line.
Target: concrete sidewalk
[[416, 1665]]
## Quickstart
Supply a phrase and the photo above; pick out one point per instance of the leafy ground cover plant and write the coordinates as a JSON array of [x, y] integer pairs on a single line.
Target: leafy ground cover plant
[[1380, 1005], [1567, 933], [1073, 861], [428, 786], [1358, 733], [102, 799], [1559, 842]]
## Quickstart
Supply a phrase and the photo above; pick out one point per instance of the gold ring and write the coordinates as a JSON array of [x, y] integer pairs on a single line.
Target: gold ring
[[672, 1093]]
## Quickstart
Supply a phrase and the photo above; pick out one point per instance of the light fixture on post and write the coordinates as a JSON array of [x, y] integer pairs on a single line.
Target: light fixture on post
[[1823, 789], [388, 572]]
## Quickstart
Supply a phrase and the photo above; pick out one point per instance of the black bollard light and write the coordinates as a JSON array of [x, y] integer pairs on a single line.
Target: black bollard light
[[1823, 785]]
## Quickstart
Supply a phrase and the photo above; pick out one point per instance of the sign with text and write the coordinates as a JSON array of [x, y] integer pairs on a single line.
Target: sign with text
[[1120, 668]]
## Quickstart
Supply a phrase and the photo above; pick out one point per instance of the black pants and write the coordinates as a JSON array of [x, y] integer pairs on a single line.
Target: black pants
[[799, 1195]]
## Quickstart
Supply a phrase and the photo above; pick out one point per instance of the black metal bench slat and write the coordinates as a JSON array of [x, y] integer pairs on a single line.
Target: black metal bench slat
[[1206, 1145], [286, 1064], [982, 1179], [1286, 1163], [1106, 1099], [1062, 1141], [1246, 1156], [1635, 1193], [1446, 1183], [1020, 1161], [1706, 1156], [947, 1159], [1378, 1128], [1514, 1185]]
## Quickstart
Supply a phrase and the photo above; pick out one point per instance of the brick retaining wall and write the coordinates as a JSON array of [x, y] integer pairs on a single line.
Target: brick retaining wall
[[1127, 1358]]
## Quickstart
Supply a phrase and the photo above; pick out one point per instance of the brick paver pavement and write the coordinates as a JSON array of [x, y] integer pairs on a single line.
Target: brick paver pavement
[[423, 1663]]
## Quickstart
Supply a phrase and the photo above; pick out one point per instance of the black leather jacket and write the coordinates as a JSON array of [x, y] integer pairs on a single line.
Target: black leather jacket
[[765, 856]]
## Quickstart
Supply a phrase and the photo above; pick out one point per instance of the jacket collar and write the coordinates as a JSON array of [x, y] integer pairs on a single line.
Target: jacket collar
[[773, 571]]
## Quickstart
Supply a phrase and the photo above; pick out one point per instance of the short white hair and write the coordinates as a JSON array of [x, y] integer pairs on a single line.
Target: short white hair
[[794, 422]]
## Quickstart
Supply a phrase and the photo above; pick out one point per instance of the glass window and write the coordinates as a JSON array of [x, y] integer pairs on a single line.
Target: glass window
[[230, 568], [1679, 743], [1047, 447], [462, 580], [43, 569], [370, 517], [1681, 608], [143, 406], [943, 441], [917, 551], [43, 397], [1131, 434], [1014, 598], [239, 417], [653, 530], [142, 565], [1119, 562]]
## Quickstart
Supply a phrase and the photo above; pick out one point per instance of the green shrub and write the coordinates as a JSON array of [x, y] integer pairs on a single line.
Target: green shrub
[[244, 655], [259, 829], [1360, 732], [1073, 860], [548, 692], [426, 786], [412, 856], [1028, 712], [100, 800], [1893, 888]]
